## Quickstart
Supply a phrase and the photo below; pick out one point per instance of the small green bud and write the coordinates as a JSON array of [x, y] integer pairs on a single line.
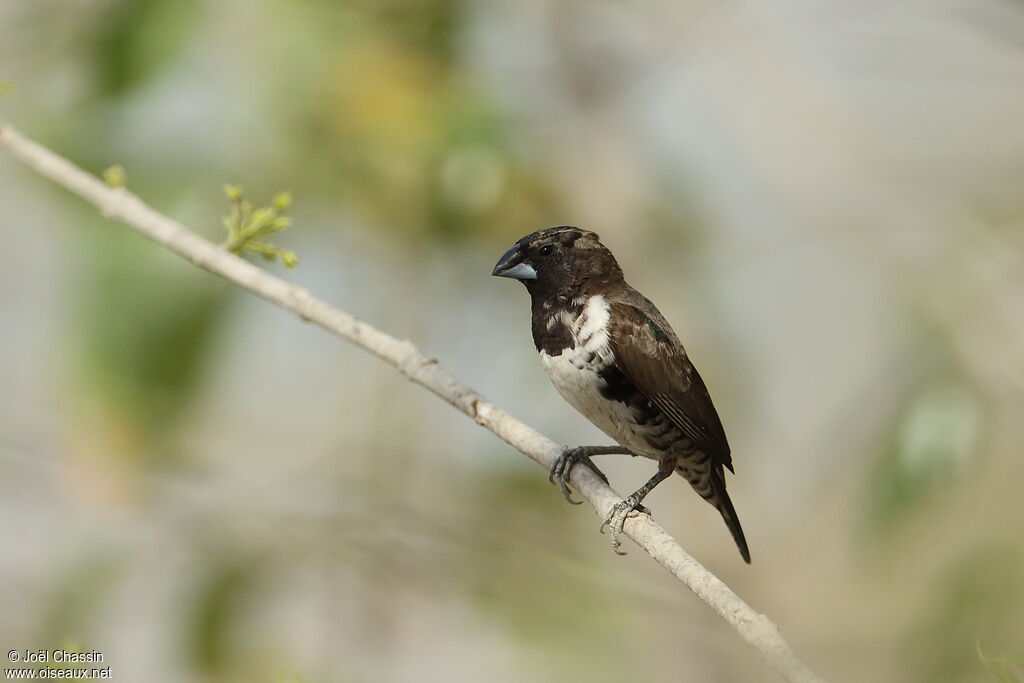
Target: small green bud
[[282, 200], [289, 258], [233, 192], [115, 176]]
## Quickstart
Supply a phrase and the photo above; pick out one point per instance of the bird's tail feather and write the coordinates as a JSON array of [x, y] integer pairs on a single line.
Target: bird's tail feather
[[711, 487], [723, 503]]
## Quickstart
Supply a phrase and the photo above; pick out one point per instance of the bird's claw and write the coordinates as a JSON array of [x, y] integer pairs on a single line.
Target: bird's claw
[[562, 467], [617, 516]]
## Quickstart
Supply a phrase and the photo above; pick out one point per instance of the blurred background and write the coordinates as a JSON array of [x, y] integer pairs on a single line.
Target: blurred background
[[827, 201]]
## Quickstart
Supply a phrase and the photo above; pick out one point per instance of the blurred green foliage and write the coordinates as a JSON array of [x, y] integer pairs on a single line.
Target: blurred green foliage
[[135, 38], [414, 148], [976, 600], [282, 675], [219, 609], [146, 323], [1002, 667], [430, 27], [81, 589], [935, 436], [555, 617]]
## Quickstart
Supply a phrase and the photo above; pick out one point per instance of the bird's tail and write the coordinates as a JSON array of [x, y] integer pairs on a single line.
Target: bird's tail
[[711, 487], [720, 499]]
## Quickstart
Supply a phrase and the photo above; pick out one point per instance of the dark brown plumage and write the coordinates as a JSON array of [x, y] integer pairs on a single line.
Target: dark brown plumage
[[614, 357]]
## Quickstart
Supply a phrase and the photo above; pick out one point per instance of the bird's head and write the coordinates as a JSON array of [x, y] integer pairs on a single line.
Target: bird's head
[[560, 261]]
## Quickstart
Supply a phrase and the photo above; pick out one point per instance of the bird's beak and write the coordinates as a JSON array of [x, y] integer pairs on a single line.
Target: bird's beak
[[512, 265]]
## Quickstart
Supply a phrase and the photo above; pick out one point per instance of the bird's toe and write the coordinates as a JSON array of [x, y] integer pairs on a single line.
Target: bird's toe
[[561, 468], [616, 520]]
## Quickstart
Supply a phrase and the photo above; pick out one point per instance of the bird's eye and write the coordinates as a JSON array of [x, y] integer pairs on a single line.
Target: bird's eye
[[546, 250]]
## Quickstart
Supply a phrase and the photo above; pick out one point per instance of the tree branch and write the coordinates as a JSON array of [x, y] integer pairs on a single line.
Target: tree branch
[[119, 204]]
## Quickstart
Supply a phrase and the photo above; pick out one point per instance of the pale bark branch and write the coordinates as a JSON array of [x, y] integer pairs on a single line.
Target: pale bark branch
[[123, 206]]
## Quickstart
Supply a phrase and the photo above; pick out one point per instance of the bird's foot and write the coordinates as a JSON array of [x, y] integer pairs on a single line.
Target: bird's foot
[[617, 516], [563, 465]]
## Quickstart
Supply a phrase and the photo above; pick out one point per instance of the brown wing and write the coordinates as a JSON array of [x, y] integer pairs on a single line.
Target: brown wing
[[650, 356]]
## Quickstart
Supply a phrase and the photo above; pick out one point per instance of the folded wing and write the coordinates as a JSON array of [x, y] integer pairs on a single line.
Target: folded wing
[[650, 356]]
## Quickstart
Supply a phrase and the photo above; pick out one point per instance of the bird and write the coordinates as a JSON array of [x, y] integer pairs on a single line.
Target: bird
[[614, 357]]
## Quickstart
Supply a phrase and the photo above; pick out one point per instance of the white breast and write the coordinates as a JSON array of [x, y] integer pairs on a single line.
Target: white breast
[[575, 374]]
